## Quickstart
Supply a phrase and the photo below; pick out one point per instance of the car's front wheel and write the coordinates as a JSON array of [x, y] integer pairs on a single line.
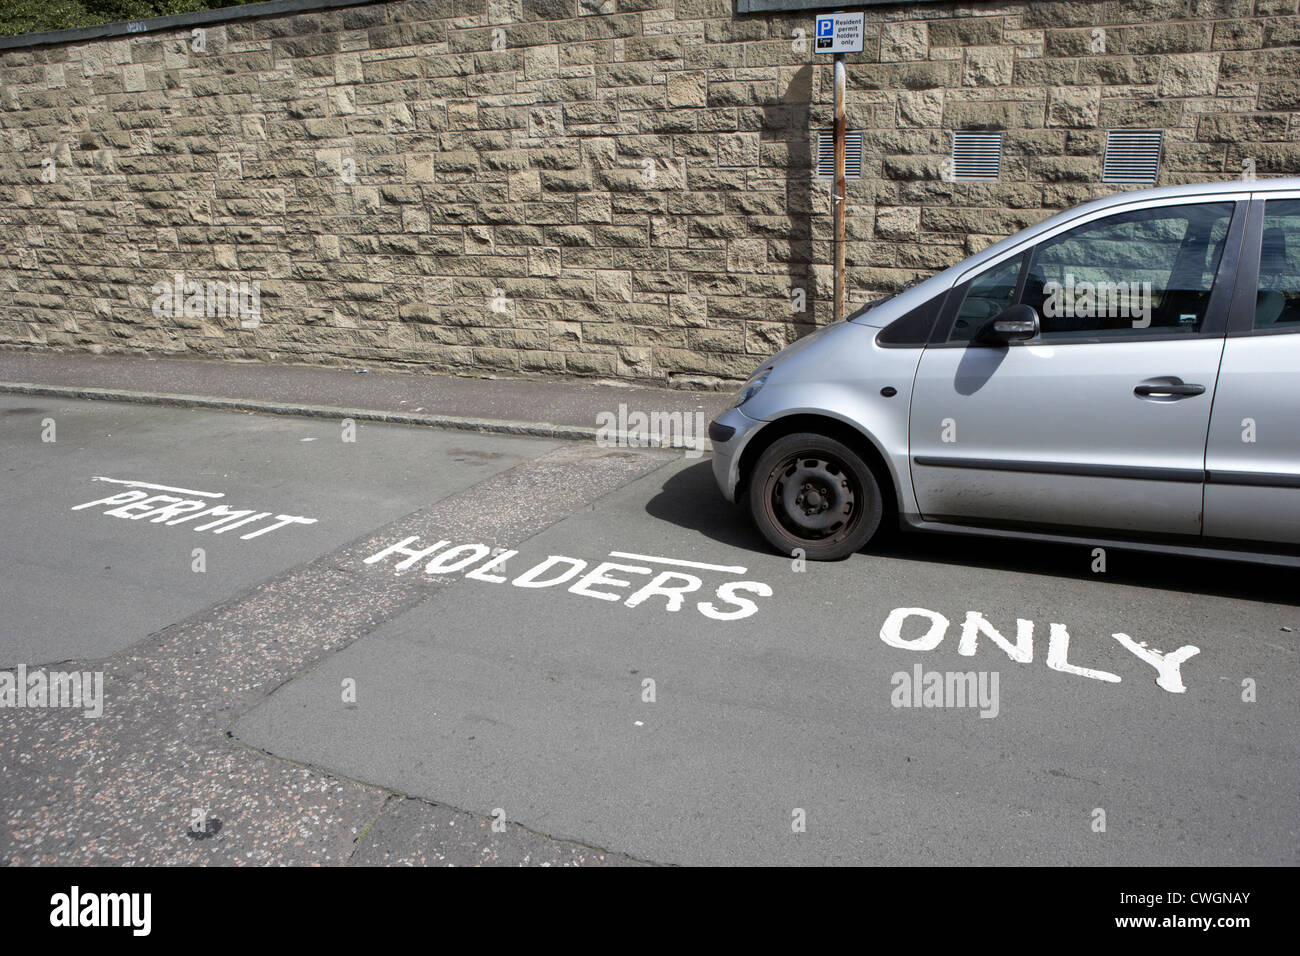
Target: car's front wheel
[[813, 494]]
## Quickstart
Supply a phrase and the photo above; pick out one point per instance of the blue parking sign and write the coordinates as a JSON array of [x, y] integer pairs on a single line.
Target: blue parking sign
[[839, 33]]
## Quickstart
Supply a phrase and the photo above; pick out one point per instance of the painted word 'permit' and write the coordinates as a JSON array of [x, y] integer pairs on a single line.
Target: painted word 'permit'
[[173, 506]]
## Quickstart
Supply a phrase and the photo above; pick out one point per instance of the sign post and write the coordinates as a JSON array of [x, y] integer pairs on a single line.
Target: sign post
[[839, 33]]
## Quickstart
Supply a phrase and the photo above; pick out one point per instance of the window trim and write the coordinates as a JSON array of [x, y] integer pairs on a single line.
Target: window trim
[[1222, 297], [935, 305], [1241, 319], [1228, 195], [957, 296]]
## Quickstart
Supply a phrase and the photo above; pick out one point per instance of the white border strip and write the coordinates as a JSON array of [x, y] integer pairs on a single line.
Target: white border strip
[[679, 562], [144, 484]]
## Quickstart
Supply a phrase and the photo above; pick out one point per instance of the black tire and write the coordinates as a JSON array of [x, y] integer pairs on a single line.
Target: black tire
[[814, 493]]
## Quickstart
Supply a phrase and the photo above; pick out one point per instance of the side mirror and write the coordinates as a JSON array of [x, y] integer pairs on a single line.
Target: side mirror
[[1013, 324]]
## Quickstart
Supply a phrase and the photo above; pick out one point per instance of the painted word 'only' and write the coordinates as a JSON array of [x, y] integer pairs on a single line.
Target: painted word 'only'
[[1021, 650], [599, 583], [138, 504]]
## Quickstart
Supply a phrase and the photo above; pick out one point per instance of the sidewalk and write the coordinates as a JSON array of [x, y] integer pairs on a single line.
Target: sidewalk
[[566, 410]]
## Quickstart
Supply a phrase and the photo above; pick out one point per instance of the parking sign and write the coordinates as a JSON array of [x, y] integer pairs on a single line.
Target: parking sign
[[840, 33]]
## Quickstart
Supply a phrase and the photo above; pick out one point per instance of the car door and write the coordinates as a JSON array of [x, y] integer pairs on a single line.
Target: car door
[[1253, 454], [1100, 421]]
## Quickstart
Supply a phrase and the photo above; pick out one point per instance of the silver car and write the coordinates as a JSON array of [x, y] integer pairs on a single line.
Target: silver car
[[1126, 373]]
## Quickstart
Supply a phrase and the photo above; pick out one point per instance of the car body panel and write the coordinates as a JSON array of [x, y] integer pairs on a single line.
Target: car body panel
[[1253, 453], [842, 379], [727, 454], [1047, 435], [1252, 461]]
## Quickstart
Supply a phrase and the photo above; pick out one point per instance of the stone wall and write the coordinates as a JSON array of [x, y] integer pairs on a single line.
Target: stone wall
[[582, 187]]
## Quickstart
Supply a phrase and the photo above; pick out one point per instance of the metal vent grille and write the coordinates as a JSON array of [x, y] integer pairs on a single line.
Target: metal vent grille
[[852, 155], [976, 157], [1132, 156]]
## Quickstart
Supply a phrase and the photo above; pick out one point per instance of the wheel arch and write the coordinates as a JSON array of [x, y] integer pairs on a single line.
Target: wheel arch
[[832, 427]]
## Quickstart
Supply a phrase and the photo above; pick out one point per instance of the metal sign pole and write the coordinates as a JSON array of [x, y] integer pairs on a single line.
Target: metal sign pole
[[840, 191], [839, 33]]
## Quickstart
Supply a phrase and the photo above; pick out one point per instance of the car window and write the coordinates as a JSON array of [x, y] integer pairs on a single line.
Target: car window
[[912, 329], [1278, 302], [986, 295], [1148, 271]]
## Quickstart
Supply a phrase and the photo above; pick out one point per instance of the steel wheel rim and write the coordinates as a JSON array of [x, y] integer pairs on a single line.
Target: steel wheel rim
[[814, 496]]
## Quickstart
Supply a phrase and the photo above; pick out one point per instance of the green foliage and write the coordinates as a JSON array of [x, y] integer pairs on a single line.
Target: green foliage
[[37, 16]]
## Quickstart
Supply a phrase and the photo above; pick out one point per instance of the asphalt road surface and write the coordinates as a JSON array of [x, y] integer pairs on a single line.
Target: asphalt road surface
[[430, 647]]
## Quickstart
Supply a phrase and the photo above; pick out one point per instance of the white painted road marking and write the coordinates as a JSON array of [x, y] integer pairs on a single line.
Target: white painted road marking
[[679, 562], [558, 570], [137, 503], [1167, 666], [144, 484]]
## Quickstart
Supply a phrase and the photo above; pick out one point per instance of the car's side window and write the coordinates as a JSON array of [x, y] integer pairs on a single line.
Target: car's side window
[[1278, 302], [912, 330], [1148, 271], [986, 295]]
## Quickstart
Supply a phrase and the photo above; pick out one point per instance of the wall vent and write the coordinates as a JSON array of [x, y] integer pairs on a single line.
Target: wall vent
[[976, 156], [1132, 156], [852, 155]]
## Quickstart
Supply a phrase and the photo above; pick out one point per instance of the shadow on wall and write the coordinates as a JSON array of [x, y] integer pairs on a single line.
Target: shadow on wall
[[790, 120]]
